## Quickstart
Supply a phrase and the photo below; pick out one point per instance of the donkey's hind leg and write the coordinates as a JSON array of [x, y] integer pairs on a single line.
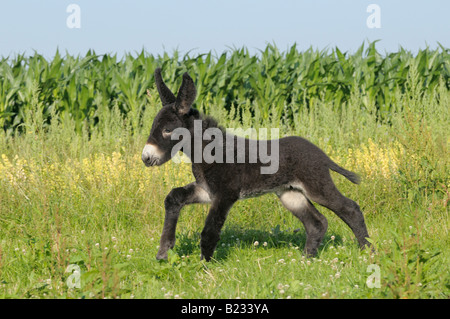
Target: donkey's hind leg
[[315, 223], [174, 202], [327, 195]]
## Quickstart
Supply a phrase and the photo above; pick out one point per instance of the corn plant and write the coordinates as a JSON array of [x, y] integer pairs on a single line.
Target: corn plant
[[269, 85]]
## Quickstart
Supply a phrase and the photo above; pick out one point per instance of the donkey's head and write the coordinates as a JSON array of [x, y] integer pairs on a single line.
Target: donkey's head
[[175, 113]]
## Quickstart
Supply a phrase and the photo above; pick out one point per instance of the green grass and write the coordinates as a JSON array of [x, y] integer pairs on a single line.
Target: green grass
[[74, 192], [115, 246]]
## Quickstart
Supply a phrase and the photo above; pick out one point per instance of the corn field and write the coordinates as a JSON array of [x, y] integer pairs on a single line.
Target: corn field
[[271, 84]]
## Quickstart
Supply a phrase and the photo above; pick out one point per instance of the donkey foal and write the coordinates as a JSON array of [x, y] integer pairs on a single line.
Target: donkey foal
[[302, 175]]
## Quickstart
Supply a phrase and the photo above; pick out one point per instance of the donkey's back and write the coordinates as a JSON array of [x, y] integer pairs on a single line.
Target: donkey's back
[[301, 166]]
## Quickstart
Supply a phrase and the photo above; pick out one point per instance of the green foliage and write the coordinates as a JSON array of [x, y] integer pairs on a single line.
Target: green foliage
[[271, 84], [65, 200]]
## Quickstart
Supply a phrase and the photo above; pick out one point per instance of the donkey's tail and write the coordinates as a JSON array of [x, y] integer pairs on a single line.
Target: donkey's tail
[[352, 177]]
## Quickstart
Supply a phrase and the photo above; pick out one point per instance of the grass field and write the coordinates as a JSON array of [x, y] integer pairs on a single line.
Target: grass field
[[75, 194]]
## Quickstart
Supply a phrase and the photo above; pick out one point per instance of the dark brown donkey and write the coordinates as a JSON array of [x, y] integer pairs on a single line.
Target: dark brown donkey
[[302, 174]]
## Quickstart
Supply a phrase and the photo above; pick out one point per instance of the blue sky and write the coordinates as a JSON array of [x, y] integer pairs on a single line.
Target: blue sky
[[112, 26]]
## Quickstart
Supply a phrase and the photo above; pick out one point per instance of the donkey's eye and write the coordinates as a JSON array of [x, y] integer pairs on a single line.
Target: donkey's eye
[[166, 132]]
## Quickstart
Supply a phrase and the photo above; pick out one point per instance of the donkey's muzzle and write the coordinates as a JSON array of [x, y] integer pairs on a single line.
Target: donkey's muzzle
[[151, 155], [150, 161]]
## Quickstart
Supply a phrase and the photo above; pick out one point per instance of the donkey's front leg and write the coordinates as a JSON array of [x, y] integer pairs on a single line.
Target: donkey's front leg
[[175, 200], [213, 225]]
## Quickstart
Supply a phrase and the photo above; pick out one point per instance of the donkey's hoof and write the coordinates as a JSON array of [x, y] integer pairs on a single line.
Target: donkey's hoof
[[367, 246], [310, 253], [206, 258], [161, 256]]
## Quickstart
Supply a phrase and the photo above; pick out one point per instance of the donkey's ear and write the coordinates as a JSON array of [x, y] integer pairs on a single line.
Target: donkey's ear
[[165, 94], [186, 94]]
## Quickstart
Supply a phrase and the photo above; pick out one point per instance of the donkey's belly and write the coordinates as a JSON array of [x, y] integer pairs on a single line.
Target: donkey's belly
[[249, 193], [244, 194]]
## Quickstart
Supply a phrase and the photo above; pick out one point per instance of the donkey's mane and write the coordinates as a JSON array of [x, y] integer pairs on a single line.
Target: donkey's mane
[[208, 121]]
